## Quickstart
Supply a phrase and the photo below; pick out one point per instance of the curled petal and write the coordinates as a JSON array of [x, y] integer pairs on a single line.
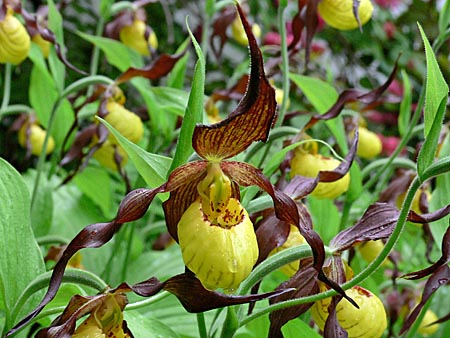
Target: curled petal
[[249, 122]]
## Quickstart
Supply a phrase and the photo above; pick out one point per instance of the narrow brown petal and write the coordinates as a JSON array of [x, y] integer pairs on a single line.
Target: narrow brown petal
[[333, 328], [155, 70], [219, 30], [250, 121], [377, 222], [350, 95], [145, 288], [445, 258], [430, 217], [305, 284], [136, 203], [440, 277], [195, 298]]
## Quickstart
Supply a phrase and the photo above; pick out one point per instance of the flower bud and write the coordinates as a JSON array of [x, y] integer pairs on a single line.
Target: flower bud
[[294, 239], [367, 321], [309, 165], [44, 45], [34, 136], [238, 32], [424, 328], [14, 39], [339, 13], [220, 254], [105, 155], [124, 121], [369, 144], [134, 37]]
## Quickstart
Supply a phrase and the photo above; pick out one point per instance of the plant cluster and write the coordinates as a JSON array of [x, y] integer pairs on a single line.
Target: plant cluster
[[274, 168]]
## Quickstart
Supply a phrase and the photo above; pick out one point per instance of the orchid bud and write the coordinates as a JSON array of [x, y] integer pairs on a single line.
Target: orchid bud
[[425, 329], [134, 37], [34, 136], [369, 144], [14, 39], [294, 239], [367, 321], [124, 121], [309, 165], [107, 153], [238, 32], [339, 13], [44, 45]]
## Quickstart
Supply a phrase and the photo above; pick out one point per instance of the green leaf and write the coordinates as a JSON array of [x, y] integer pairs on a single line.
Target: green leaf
[[436, 92], [444, 17], [321, 94], [325, 217], [95, 183], [404, 115], [293, 327], [355, 188], [194, 110], [436, 87], [116, 52], [152, 167], [21, 260], [55, 23], [147, 326]]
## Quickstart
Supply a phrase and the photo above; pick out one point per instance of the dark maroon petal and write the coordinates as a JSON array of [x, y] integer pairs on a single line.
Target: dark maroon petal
[[377, 222], [146, 288], [154, 71], [250, 121], [219, 30], [429, 217], [195, 298], [350, 95], [305, 284], [440, 277], [445, 258], [333, 328]]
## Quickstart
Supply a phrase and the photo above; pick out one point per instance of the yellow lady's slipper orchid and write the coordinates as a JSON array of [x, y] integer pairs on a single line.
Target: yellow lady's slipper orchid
[[370, 250], [105, 320], [31, 134], [238, 33], [134, 37], [105, 155], [339, 13], [309, 165], [369, 144], [216, 235], [126, 122], [294, 239], [14, 39], [425, 329], [367, 321], [44, 45]]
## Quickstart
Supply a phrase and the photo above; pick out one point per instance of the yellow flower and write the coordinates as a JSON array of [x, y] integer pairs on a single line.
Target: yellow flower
[[309, 165], [44, 45], [370, 250], [367, 321], [14, 39], [369, 144], [238, 32], [425, 329], [339, 13], [124, 121], [105, 155], [33, 135], [134, 37], [216, 235], [294, 239]]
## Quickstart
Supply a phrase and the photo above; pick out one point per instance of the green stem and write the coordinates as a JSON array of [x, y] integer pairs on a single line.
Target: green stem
[[6, 86], [231, 323], [149, 301], [96, 53], [284, 62], [52, 239], [16, 109], [131, 228], [201, 325]]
